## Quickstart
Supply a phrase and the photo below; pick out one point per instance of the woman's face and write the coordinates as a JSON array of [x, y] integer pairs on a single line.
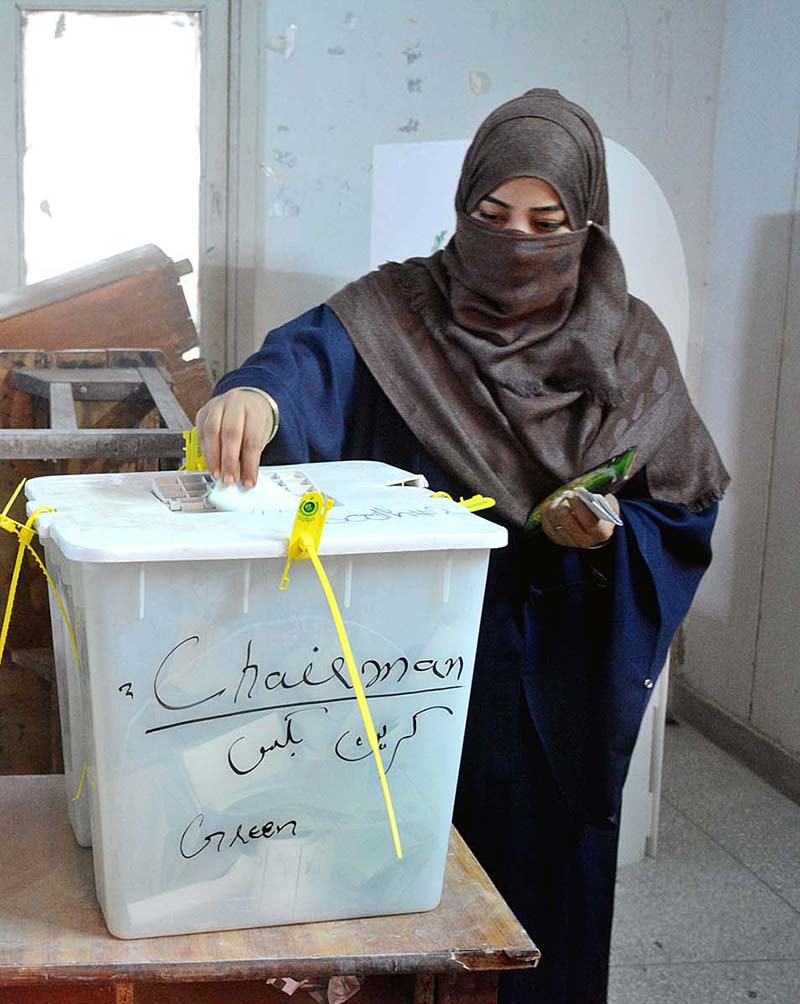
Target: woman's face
[[529, 205]]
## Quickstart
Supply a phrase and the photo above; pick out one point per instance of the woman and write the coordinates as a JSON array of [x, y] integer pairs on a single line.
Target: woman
[[507, 364]]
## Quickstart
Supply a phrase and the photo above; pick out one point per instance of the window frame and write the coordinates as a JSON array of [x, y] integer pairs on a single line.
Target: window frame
[[218, 54]]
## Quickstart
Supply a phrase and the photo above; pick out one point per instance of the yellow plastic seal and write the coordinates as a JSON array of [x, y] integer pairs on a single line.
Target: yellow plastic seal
[[304, 543], [25, 533], [473, 504], [193, 459]]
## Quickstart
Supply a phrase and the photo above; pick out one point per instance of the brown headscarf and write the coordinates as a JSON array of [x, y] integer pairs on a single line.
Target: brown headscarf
[[519, 361]]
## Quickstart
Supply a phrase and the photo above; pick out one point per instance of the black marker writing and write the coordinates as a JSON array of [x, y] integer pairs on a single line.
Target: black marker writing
[[360, 742], [287, 739], [247, 666], [180, 707], [257, 832], [253, 678]]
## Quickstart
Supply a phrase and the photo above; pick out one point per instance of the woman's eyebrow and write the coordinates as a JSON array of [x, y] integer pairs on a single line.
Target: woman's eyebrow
[[496, 202], [535, 209]]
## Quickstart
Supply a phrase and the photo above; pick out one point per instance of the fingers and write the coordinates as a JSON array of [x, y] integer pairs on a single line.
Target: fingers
[[552, 525], [585, 517], [568, 522], [256, 432], [233, 430], [208, 422], [230, 436], [563, 526]]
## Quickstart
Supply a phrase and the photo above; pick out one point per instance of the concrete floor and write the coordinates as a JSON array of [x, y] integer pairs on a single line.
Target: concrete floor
[[715, 918]]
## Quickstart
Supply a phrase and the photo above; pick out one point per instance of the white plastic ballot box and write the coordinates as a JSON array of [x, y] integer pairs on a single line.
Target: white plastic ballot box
[[229, 779]]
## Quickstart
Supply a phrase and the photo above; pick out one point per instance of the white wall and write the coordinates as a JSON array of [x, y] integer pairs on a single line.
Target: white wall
[[743, 637], [366, 73]]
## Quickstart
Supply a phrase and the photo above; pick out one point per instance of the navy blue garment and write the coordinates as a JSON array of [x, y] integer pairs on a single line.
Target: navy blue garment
[[571, 642]]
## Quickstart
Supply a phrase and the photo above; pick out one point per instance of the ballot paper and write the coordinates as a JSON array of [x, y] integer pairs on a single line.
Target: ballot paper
[[597, 505]]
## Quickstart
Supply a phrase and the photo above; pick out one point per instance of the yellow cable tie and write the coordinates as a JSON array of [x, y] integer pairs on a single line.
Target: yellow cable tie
[[304, 543], [26, 532], [7, 523], [26, 535], [477, 502], [77, 794], [306, 530], [13, 497], [12, 591], [51, 583], [473, 504], [361, 698]]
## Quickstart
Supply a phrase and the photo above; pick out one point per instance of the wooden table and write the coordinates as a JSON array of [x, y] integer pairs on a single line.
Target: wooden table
[[54, 946]]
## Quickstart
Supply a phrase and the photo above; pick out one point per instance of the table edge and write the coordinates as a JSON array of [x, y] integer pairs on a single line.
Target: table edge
[[248, 969]]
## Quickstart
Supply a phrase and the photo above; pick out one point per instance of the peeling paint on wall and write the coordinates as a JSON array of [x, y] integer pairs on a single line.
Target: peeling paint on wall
[[412, 53], [350, 19], [282, 207], [479, 82], [414, 85], [271, 173], [335, 50], [283, 43], [285, 158], [411, 126]]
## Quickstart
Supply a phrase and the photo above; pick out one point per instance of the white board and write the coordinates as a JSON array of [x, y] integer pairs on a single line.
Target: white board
[[413, 187]]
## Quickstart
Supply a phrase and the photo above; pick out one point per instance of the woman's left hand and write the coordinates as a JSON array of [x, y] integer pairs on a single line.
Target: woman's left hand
[[568, 522]]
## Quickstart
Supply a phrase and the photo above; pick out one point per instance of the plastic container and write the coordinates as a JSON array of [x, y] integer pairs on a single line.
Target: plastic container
[[230, 783]]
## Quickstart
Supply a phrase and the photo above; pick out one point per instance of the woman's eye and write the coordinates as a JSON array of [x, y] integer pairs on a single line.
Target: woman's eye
[[547, 226], [492, 217]]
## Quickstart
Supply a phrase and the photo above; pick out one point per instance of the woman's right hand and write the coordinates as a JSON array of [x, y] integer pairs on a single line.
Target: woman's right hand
[[233, 430]]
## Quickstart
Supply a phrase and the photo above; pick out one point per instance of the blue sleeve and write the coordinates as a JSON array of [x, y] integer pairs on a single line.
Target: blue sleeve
[[663, 553], [601, 624], [656, 567], [309, 367]]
